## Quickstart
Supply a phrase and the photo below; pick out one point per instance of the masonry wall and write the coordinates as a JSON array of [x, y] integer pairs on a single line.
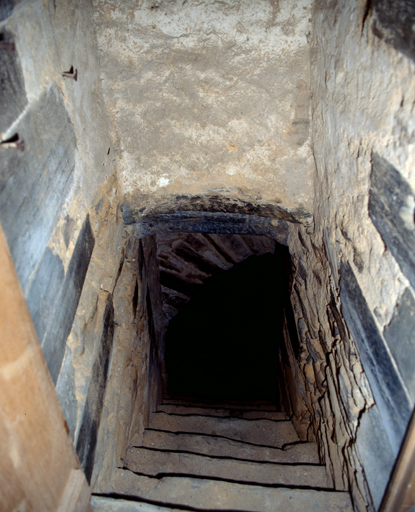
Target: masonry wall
[[352, 291], [133, 385], [57, 199]]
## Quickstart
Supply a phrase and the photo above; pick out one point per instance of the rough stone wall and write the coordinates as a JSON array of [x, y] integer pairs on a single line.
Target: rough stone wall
[[94, 338], [352, 295], [133, 386], [327, 386], [156, 324], [111, 378], [93, 290]]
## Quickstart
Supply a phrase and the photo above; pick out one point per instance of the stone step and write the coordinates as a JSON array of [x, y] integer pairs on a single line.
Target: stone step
[[160, 463], [306, 453], [204, 494], [260, 405], [258, 432], [104, 504], [186, 410]]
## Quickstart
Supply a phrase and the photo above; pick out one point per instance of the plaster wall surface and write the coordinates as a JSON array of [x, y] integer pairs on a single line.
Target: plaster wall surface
[[350, 287], [209, 99], [363, 100], [50, 38]]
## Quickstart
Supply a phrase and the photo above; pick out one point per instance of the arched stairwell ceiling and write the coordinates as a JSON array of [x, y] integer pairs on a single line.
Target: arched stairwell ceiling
[[209, 105], [187, 260]]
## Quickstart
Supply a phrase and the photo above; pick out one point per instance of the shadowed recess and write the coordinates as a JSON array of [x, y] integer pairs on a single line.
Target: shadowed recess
[[224, 343]]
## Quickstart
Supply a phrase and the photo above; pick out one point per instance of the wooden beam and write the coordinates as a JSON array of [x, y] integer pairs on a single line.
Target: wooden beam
[[39, 469], [400, 493]]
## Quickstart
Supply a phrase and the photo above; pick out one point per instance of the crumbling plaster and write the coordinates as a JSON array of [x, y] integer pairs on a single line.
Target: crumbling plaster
[[209, 99]]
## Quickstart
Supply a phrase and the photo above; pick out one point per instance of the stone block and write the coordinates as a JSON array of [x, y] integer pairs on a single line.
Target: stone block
[[390, 200], [44, 291], [400, 337], [12, 89], [35, 183], [88, 432], [375, 452], [387, 386], [394, 24], [63, 308]]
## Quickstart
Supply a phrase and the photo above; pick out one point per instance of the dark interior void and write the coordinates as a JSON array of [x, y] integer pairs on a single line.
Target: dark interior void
[[224, 343]]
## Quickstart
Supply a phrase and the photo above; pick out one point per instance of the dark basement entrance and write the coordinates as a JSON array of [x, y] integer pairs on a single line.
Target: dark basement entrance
[[224, 344]]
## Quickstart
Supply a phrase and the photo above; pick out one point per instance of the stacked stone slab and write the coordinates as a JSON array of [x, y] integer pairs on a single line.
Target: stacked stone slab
[[219, 457]]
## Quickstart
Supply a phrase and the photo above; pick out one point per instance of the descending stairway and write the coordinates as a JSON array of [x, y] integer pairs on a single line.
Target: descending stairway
[[198, 456]]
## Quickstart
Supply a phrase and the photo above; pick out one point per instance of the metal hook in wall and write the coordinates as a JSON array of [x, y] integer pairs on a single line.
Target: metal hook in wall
[[13, 143], [71, 74], [7, 46]]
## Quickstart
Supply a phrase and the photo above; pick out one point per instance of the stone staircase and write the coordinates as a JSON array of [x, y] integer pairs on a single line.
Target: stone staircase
[[198, 456]]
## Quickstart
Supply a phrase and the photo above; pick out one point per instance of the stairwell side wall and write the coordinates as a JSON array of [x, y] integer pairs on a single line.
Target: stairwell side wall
[[57, 198], [59, 207], [133, 387], [353, 285], [156, 324], [327, 387]]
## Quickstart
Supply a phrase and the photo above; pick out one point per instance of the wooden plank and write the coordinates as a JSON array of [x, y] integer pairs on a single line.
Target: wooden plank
[[399, 335], [393, 23], [6, 8], [400, 494], [39, 456], [76, 487], [206, 222], [88, 432], [389, 198]]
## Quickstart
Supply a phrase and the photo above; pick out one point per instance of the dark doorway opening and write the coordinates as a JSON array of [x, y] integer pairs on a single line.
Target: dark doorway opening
[[224, 344]]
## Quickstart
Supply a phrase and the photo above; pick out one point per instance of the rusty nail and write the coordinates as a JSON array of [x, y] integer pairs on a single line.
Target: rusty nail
[[7, 46], [71, 74], [14, 143]]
